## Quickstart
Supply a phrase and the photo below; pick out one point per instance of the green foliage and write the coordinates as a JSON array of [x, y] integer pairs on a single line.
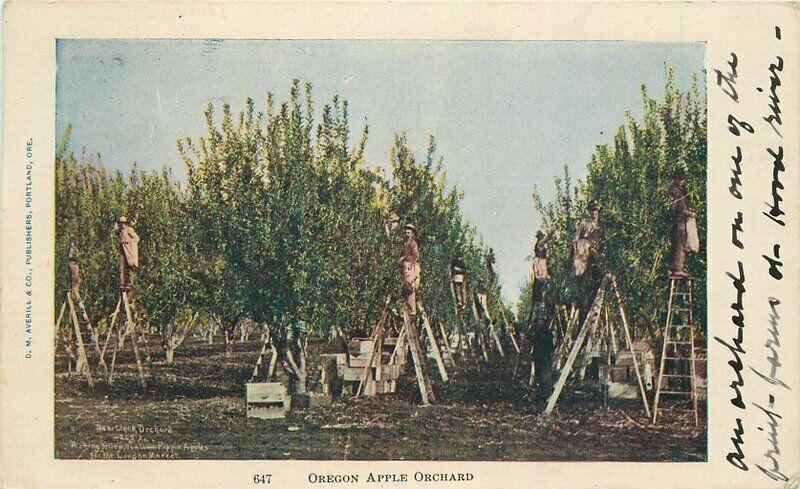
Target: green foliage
[[88, 202], [280, 220], [629, 178], [419, 195]]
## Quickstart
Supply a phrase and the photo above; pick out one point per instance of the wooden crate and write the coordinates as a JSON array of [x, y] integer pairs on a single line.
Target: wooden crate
[[359, 346], [311, 400], [373, 387], [267, 400], [620, 381], [350, 375]]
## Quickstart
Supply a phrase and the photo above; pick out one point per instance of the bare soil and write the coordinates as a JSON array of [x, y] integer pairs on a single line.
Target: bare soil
[[194, 409]]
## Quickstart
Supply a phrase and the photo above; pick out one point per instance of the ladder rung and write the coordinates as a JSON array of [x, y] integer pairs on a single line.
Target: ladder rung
[[681, 326], [677, 375], [683, 393], [688, 359], [673, 342]]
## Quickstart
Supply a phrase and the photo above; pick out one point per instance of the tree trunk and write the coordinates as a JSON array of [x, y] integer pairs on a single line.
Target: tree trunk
[[298, 369], [170, 354], [299, 385]]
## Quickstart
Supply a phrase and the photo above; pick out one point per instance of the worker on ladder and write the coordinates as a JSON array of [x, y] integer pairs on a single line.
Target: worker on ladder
[[585, 240], [128, 250], [490, 261], [74, 272], [482, 304], [684, 226], [540, 272], [410, 269], [677, 371], [458, 272], [584, 253]]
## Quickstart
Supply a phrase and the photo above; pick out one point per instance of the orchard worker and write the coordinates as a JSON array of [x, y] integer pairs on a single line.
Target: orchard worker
[[584, 246], [490, 261], [74, 273], [458, 274], [128, 252], [482, 303], [684, 226], [540, 257], [540, 272], [410, 269], [585, 239], [542, 354]]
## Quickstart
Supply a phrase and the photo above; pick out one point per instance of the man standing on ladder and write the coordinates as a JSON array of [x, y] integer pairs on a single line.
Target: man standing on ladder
[[684, 227], [458, 272], [410, 269], [540, 272], [585, 240], [490, 261], [410, 273], [74, 273], [128, 253], [541, 336], [677, 370], [128, 249], [482, 303], [584, 246]]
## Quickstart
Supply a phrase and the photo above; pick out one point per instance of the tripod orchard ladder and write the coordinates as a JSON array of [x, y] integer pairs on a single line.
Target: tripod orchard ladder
[[589, 330], [128, 327], [509, 328], [590, 323], [462, 336], [407, 338], [374, 363], [678, 351], [434, 347], [82, 362], [412, 336]]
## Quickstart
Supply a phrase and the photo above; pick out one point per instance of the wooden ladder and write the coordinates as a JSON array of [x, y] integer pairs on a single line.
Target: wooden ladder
[[82, 361], [375, 356], [128, 327], [676, 376], [423, 379], [460, 331], [588, 329]]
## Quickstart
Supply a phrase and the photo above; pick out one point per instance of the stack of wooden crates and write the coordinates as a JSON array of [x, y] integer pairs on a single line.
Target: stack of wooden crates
[[339, 376], [619, 376]]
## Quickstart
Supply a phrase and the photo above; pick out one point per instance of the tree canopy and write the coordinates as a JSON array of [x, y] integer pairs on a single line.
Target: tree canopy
[[628, 178], [279, 218]]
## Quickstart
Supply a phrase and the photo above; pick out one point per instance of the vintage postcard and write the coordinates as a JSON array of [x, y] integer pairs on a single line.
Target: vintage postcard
[[400, 244]]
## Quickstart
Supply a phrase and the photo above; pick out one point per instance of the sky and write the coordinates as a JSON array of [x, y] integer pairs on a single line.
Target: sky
[[507, 115]]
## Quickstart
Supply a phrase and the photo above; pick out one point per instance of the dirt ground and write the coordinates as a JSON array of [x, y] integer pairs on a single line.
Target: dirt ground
[[194, 409]]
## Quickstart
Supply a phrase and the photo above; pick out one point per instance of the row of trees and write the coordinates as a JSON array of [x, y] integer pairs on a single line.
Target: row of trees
[[628, 179], [280, 221]]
